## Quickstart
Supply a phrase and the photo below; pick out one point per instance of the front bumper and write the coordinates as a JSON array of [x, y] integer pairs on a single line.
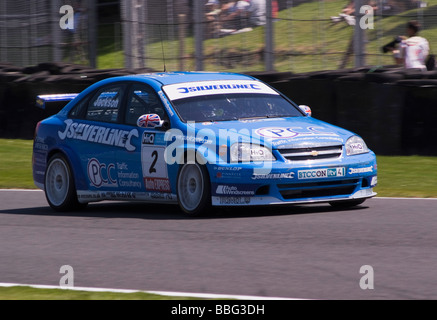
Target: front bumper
[[348, 178]]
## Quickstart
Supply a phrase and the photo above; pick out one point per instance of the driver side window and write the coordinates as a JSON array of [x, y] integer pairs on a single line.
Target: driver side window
[[143, 100]]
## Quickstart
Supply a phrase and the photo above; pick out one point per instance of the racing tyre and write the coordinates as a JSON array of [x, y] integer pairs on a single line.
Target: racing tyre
[[347, 203], [59, 185], [193, 189]]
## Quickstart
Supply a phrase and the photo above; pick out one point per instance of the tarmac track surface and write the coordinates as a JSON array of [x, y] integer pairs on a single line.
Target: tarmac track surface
[[308, 252]]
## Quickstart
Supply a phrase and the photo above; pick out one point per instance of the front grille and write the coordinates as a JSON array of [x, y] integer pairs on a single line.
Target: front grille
[[318, 189], [312, 153]]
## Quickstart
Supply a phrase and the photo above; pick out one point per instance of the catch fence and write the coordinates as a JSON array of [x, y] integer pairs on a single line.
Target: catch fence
[[283, 35]]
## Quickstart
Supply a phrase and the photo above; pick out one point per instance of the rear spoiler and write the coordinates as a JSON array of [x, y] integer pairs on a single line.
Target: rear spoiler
[[41, 100]]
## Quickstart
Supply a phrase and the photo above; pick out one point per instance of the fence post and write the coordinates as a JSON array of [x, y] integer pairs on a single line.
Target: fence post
[[269, 37], [55, 31], [198, 33], [359, 47], [181, 37], [92, 33], [3, 32], [126, 18], [141, 14]]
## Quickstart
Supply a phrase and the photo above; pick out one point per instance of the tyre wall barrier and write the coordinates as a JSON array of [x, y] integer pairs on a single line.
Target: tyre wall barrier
[[372, 110], [19, 88], [419, 122], [394, 110]]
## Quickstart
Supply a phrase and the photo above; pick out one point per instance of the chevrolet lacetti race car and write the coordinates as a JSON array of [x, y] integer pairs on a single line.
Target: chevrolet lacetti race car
[[196, 139]]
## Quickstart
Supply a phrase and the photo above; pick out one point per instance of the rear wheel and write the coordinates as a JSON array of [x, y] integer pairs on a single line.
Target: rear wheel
[[59, 185], [193, 189], [347, 203]]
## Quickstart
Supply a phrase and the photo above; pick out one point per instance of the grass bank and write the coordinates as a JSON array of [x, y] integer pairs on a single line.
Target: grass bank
[[30, 293], [305, 39], [412, 176], [16, 164]]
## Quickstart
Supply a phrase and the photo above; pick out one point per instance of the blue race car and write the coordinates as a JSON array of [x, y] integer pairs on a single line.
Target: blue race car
[[196, 139]]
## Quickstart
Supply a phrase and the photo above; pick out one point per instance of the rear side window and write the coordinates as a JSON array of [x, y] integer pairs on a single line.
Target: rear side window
[[105, 105], [78, 109]]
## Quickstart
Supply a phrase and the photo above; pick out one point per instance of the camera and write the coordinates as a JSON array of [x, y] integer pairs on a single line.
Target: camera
[[389, 46]]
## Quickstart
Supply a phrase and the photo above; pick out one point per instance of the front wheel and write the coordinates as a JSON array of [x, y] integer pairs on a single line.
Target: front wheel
[[193, 189], [59, 185]]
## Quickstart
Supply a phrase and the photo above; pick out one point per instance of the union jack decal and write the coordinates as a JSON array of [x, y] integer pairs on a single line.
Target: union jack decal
[[149, 121]]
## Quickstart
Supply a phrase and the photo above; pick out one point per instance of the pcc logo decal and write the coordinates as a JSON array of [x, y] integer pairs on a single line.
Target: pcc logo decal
[[100, 174], [293, 132]]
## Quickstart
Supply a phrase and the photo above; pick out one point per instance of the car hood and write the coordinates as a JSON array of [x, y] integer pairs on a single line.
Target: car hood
[[278, 133]]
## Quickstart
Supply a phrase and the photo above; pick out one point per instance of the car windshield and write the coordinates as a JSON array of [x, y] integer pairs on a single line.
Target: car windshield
[[226, 107]]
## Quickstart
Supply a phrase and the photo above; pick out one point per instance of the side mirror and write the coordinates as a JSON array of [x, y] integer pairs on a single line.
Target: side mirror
[[151, 120], [306, 109]]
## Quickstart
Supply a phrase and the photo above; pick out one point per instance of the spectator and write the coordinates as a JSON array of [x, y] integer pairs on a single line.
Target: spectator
[[212, 18], [348, 12], [235, 14], [212, 7], [257, 12], [413, 50]]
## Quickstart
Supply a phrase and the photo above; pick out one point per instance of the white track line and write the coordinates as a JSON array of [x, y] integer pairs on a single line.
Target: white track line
[[33, 190], [162, 293]]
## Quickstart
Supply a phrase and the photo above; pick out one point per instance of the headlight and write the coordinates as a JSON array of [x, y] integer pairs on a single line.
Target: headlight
[[246, 152], [356, 145]]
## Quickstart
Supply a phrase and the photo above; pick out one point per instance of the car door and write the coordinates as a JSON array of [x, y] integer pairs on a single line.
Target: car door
[[96, 134], [146, 164]]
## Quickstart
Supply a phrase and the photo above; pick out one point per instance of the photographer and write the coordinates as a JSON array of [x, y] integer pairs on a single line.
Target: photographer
[[411, 51]]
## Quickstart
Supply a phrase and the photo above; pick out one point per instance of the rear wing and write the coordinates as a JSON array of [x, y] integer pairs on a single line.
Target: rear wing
[[42, 100]]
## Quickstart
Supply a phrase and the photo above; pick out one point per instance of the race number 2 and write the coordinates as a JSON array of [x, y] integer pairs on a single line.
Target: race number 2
[[155, 173], [155, 159]]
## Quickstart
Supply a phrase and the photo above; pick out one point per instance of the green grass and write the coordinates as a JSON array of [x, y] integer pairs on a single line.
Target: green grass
[[412, 176], [303, 29], [30, 293], [406, 176], [16, 163]]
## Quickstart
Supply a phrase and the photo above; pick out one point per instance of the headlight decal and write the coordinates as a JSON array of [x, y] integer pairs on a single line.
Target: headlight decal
[[247, 152], [355, 145]]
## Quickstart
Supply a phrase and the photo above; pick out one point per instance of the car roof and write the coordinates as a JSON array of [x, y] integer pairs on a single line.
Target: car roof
[[160, 79], [165, 78]]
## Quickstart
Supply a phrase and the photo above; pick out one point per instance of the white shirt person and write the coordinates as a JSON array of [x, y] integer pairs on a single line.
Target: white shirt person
[[414, 50]]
